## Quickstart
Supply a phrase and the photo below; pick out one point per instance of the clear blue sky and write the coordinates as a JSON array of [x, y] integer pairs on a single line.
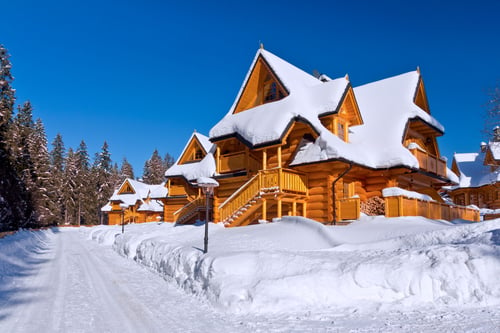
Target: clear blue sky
[[144, 74]]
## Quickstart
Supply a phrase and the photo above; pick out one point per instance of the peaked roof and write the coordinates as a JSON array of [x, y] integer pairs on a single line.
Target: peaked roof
[[193, 170], [141, 191], [473, 172], [386, 107], [308, 97]]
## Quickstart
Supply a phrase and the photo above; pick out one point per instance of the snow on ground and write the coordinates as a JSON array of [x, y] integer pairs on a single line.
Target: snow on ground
[[298, 266], [375, 275]]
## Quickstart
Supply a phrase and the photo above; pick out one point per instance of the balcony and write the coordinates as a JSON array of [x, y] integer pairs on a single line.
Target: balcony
[[238, 161], [429, 163]]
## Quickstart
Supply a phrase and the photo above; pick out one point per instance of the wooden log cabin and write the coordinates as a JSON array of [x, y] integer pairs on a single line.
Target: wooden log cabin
[[184, 202], [135, 202], [298, 144], [479, 178]]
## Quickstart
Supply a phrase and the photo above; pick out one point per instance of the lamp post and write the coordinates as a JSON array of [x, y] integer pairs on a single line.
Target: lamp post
[[208, 185], [123, 207]]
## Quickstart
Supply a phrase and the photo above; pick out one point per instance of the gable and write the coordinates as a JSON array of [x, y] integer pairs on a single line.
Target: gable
[[126, 188], [262, 87], [194, 151], [489, 159], [349, 109], [420, 98]]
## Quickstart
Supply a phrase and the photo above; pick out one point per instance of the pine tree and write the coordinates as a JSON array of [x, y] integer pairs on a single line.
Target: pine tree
[[43, 192], [7, 96], [20, 131], [126, 171], [70, 188], [57, 154], [85, 189], [57, 159], [15, 202], [103, 178], [154, 169], [168, 161]]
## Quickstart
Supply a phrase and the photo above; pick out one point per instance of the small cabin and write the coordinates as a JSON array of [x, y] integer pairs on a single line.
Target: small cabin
[[479, 179], [135, 202]]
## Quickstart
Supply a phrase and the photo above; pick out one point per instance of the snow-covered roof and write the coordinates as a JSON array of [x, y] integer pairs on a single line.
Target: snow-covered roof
[[151, 206], [473, 173], [142, 191], [386, 107], [308, 97], [193, 170]]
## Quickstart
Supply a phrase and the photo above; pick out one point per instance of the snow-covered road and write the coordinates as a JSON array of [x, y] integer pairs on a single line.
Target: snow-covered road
[[61, 281], [70, 284]]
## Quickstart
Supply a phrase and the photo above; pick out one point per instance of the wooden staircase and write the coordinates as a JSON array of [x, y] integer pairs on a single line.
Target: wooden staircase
[[243, 204], [191, 210]]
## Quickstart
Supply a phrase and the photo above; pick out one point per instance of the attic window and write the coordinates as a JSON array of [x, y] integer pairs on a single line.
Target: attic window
[[198, 155]]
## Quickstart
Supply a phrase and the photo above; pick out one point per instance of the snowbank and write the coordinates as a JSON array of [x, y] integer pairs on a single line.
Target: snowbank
[[298, 264]]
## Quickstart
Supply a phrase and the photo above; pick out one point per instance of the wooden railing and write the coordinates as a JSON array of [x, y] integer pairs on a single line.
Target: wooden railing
[[240, 198], [283, 180], [403, 206], [429, 163], [238, 161], [266, 181], [189, 209], [349, 208]]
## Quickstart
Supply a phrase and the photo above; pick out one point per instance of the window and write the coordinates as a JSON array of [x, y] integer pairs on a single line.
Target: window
[[340, 130], [198, 155]]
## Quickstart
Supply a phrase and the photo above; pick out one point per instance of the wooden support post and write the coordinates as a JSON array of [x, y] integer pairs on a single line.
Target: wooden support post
[[294, 208], [264, 209], [279, 156], [279, 208], [217, 159], [264, 159], [304, 209], [215, 209]]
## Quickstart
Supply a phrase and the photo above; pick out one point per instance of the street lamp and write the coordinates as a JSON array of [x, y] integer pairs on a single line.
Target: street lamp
[[208, 185], [124, 208]]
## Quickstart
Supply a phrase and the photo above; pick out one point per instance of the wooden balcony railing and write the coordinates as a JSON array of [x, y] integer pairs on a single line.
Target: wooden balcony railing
[[238, 161], [429, 163], [266, 181], [349, 208], [403, 206]]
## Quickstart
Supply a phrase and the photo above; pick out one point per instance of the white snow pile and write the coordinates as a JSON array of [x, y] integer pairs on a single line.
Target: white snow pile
[[397, 191], [16, 255], [299, 265]]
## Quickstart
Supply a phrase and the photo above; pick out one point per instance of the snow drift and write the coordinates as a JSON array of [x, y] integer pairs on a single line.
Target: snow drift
[[297, 264]]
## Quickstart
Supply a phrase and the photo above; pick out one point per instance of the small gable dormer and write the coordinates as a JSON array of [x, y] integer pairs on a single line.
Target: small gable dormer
[[194, 151], [346, 115], [262, 86], [126, 188]]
